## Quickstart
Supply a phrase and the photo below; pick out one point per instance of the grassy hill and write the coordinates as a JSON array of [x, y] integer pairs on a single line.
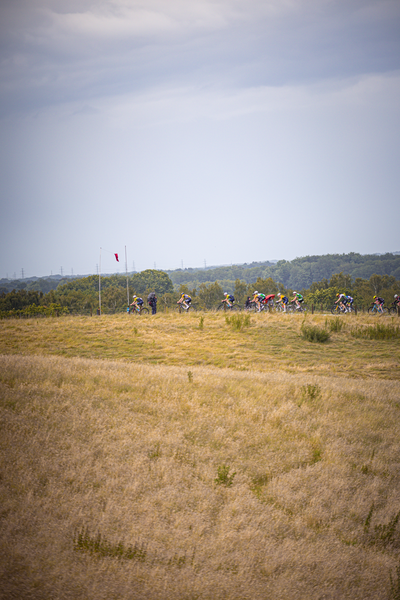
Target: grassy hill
[[177, 456]]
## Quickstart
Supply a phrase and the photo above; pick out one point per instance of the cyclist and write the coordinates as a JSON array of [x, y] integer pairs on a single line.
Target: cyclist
[[349, 301], [379, 303], [396, 300], [137, 303], [269, 299], [229, 299], [284, 300], [185, 301], [258, 297], [346, 302], [298, 299]]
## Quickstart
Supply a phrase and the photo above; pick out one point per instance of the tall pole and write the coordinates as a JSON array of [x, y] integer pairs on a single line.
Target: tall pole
[[126, 270], [100, 284]]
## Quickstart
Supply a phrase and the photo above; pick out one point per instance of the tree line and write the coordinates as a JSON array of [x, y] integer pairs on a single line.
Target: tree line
[[81, 296]]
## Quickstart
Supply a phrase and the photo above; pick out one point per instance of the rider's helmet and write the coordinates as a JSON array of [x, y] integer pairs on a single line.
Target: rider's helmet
[[396, 296], [294, 293], [134, 297], [374, 298], [338, 294], [254, 293], [226, 294]]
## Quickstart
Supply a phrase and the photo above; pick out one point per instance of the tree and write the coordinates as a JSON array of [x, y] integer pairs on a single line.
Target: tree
[[240, 291], [152, 280], [210, 295], [376, 283], [340, 280]]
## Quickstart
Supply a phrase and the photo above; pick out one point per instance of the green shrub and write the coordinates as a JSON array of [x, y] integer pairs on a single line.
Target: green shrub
[[312, 333]]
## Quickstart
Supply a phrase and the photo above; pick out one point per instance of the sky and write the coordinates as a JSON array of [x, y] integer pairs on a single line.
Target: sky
[[196, 132]]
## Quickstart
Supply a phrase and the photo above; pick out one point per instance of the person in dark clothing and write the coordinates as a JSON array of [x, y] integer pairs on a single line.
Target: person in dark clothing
[[152, 300]]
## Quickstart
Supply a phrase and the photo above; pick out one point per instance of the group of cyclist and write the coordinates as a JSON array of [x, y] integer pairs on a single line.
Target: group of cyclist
[[380, 302], [261, 300]]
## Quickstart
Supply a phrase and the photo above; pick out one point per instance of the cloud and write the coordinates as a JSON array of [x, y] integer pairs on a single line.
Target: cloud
[[55, 52]]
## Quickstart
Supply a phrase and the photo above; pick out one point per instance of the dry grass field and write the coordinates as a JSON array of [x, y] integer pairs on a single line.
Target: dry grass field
[[178, 457]]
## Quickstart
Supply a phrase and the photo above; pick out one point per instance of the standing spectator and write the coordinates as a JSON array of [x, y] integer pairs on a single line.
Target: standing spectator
[[152, 300]]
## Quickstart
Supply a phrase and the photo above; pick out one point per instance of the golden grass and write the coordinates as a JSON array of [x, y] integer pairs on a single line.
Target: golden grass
[[132, 450], [271, 342]]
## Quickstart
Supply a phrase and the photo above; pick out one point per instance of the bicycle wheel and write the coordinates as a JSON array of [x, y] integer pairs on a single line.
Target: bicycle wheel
[[144, 311], [222, 306], [393, 311], [372, 310], [235, 307], [336, 310]]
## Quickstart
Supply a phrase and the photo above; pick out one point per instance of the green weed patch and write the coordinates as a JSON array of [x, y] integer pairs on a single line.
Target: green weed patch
[[379, 331], [98, 544]]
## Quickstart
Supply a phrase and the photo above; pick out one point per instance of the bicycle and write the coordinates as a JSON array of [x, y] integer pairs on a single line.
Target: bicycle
[[224, 306], [339, 310], [263, 307], [279, 307], [138, 310], [180, 308], [393, 309], [292, 307], [374, 310]]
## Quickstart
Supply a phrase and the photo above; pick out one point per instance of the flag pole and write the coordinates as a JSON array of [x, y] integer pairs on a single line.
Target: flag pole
[[126, 270], [100, 284]]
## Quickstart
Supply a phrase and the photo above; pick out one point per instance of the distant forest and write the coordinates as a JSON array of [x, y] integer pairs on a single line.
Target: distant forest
[[299, 273]]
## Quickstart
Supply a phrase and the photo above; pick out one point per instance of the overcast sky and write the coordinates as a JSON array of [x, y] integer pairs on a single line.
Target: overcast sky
[[224, 131]]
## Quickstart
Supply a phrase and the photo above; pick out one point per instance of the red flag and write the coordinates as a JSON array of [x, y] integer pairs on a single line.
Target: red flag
[[116, 257]]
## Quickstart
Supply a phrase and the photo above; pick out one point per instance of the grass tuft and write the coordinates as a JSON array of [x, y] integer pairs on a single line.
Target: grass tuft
[[223, 477], [395, 585], [238, 322], [335, 325], [311, 391]]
